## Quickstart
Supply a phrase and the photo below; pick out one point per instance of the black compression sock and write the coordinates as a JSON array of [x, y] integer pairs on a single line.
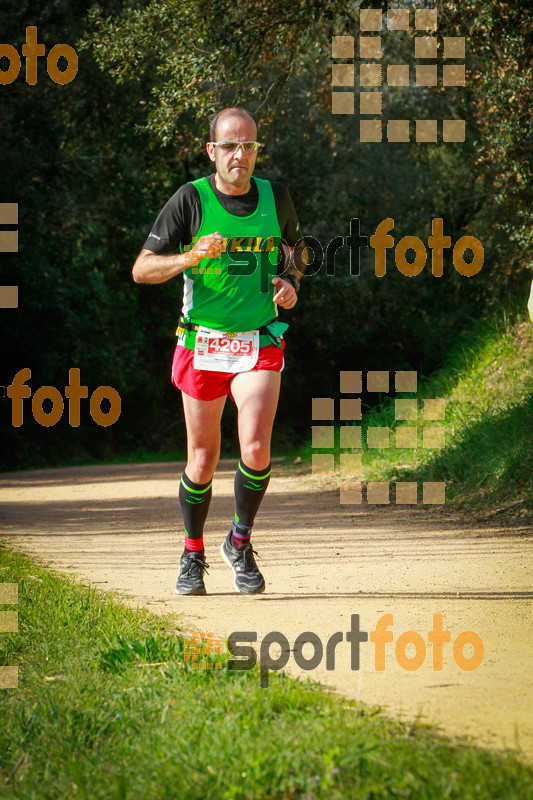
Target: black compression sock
[[194, 500], [250, 488]]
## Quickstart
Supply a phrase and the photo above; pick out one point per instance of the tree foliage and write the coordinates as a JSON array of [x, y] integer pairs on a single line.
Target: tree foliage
[[91, 164], [209, 54]]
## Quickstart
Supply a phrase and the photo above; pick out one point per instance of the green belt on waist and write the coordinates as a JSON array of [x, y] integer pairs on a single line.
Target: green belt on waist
[[271, 333]]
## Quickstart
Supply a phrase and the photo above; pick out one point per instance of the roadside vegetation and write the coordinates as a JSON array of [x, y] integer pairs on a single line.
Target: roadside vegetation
[[486, 382]]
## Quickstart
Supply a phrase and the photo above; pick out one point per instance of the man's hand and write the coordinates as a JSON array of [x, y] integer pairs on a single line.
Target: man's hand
[[286, 296], [153, 268], [209, 246]]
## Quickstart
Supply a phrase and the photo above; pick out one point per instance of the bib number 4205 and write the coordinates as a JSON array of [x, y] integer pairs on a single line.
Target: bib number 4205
[[235, 346]]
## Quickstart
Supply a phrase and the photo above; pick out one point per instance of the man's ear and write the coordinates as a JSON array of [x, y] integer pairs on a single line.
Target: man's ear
[[210, 151]]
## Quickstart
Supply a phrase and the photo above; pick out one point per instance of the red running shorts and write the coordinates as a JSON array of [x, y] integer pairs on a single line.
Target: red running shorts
[[206, 385]]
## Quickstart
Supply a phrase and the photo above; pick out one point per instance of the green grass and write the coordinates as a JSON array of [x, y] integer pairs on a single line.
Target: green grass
[[107, 708], [487, 382]]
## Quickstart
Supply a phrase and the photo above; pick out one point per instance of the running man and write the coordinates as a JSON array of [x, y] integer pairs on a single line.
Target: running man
[[223, 233]]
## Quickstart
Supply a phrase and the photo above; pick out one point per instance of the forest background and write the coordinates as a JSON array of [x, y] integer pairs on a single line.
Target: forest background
[[92, 162]]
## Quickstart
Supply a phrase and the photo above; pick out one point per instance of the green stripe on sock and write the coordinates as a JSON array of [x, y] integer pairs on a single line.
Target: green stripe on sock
[[254, 477], [196, 491]]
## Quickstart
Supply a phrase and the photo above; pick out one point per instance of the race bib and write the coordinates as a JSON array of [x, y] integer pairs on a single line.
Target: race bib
[[217, 351]]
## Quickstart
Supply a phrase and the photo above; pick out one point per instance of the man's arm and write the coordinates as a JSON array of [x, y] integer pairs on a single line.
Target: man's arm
[[151, 267], [295, 254], [296, 260]]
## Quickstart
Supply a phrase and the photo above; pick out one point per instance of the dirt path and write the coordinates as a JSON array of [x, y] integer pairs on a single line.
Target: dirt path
[[118, 527]]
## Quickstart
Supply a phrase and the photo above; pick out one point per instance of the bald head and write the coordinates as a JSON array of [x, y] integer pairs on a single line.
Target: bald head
[[236, 111]]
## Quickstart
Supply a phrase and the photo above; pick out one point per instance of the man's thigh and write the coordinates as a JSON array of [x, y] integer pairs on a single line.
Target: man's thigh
[[202, 420], [256, 395]]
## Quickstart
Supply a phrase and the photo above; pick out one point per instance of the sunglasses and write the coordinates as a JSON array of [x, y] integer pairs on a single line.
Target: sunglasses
[[232, 147]]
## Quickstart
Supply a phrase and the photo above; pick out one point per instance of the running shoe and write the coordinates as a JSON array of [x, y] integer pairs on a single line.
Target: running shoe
[[191, 574], [246, 577]]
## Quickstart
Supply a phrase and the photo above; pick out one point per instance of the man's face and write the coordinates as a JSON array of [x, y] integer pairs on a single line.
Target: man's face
[[235, 168]]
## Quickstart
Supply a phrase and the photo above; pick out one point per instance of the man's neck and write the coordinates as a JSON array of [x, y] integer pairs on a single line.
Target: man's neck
[[229, 188]]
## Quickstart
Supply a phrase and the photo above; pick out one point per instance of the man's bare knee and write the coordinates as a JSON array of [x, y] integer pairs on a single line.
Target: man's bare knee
[[256, 454], [201, 464]]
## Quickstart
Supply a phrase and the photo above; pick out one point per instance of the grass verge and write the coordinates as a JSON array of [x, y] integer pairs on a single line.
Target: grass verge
[[487, 461], [108, 708]]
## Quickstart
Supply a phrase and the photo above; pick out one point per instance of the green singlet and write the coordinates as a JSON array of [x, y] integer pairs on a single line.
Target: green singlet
[[235, 294]]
